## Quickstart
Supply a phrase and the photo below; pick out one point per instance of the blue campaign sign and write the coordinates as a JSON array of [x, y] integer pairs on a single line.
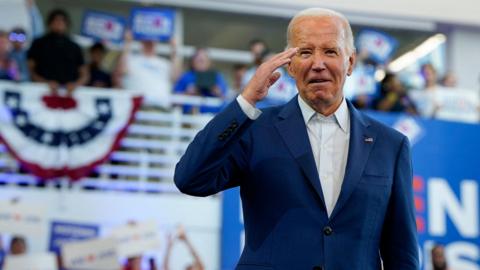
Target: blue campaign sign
[[379, 45], [152, 24], [103, 26], [446, 188], [62, 232]]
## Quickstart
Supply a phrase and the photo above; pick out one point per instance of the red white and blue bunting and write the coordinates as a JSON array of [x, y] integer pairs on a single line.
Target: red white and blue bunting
[[53, 136]]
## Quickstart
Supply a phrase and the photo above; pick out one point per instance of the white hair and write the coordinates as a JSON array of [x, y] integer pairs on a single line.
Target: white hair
[[322, 13]]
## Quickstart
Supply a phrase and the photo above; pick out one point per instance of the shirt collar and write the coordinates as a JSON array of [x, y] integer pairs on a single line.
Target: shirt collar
[[341, 115]]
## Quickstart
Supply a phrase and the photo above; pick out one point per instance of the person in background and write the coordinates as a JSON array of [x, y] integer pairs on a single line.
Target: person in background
[[182, 236], [2, 253], [393, 97], [259, 51], [201, 80], [449, 80], [8, 66], [426, 99], [55, 58], [146, 71], [439, 262], [98, 77], [238, 73], [18, 245], [18, 53]]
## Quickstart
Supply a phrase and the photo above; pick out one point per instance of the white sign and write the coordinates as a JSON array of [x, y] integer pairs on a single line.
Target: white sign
[[136, 239], [98, 254], [23, 218], [448, 104], [40, 261]]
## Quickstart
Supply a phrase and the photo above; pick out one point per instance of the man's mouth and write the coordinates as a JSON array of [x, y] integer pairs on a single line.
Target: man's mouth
[[312, 81]]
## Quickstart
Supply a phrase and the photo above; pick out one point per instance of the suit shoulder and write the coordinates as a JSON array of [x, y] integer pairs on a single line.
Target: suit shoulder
[[385, 131]]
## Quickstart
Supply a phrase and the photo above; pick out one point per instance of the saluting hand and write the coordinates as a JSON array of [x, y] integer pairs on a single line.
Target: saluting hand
[[265, 76]]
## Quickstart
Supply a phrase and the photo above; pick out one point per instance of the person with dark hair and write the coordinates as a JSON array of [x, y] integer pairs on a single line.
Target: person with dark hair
[[258, 49], [439, 262], [18, 245], [98, 77], [393, 97], [55, 58], [8, 66], [18, 39]]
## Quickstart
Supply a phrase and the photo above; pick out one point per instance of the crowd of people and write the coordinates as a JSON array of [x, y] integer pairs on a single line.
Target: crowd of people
[[56, 59], [18, 246]]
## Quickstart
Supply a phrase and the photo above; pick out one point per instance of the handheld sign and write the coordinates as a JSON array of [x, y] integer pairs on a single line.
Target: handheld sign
[[152, 24], [103, 26], [379, 45], [90, 254], [39, 261], [136, 239]]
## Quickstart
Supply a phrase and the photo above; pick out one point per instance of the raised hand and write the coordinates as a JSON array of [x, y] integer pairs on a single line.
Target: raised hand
[[265, 76]]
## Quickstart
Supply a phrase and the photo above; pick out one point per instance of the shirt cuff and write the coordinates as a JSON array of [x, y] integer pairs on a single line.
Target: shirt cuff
[[247, 108]]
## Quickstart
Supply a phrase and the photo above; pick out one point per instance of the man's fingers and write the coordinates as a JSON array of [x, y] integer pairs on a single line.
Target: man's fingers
[[281, 59], [273, 78]]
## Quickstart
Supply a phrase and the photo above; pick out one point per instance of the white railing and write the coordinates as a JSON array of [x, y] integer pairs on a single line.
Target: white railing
[[146, 158]]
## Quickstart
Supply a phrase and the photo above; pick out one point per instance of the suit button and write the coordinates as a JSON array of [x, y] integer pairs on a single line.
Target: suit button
[[221, 137], [327, 230], [317, 268]]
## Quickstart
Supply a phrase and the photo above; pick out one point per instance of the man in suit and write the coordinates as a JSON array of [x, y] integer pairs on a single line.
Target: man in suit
[[323, 186]]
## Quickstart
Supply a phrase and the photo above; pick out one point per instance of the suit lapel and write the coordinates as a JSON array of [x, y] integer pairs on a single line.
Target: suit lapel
[[362, 140], [292, 129]]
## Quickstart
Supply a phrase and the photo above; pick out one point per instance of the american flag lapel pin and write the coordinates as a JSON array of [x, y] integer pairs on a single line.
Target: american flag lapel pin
[[368, 140]]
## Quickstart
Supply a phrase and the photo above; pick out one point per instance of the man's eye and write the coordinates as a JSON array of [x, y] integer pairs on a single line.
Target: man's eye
[[331, 52], [305, 53]]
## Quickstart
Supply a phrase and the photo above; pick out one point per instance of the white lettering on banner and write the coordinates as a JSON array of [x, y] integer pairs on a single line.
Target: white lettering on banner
[[462, 255], [442, 202], [74, 231]]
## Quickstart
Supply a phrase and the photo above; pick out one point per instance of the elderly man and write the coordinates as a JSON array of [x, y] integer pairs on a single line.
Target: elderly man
[[323, 186]]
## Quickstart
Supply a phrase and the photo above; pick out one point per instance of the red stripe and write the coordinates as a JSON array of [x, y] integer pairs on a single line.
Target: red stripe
[[75, 173]]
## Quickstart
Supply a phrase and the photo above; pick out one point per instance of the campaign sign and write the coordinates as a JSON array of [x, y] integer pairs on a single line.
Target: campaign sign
[[448, 103], [23, 218], [446, 189], [136, 239], [90, 254], [64, 232], [379, 45], [152, 24], [35, 261], [103, 26]]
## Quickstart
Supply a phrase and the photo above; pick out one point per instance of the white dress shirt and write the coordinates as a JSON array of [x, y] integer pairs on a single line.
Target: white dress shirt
[[329, 138]]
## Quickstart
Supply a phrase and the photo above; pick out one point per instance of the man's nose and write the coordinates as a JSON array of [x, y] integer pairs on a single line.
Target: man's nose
[[318, 62]]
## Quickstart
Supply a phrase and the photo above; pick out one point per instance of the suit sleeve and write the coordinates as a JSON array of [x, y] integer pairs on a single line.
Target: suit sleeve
[[216, 159], [399, 245]]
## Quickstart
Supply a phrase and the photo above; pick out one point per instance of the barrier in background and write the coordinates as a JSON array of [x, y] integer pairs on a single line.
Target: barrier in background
[[146, 155]]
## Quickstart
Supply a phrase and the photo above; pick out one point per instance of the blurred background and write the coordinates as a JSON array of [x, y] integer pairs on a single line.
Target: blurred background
[[99, 99]]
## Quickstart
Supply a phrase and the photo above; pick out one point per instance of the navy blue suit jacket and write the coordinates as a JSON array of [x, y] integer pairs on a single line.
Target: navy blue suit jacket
[[286, 222]]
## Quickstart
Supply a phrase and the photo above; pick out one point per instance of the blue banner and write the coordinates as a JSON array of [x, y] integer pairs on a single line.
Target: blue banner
[[103, 26], [63, 232], [152, 24], [446, 189], [380, 46]]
